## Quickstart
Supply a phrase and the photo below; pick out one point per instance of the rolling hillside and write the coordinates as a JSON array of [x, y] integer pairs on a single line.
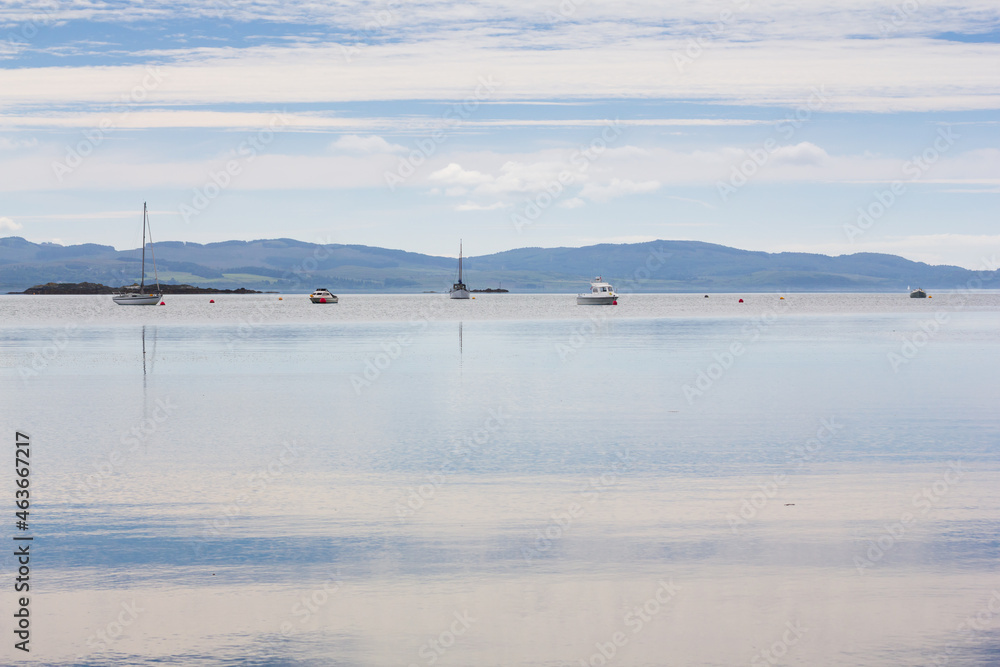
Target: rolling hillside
[[657, 266]]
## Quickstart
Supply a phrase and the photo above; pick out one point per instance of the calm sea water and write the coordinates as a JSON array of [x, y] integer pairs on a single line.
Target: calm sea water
[[409, 480]]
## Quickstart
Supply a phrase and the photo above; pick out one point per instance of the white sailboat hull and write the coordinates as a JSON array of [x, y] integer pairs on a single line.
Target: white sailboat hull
[[459, 294], [137, 299]]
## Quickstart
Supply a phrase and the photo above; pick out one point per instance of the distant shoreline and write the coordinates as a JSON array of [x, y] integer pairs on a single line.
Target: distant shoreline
[[660, 266], [97, 288]]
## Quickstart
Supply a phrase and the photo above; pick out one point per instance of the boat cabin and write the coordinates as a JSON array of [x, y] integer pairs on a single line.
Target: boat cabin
[[598, 286]]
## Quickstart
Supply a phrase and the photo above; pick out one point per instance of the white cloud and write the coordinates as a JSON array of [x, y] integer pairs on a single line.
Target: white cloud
[[555, 86], [801, 154], [628, 151], [94, 215], [455, 174], [915, 73], [617, 188], [973, 191], [353, 143], [13, 144], [472, 206], [415, 124], [757, 20], [517, 177], [487, 175], [692, 201], [7, 223]]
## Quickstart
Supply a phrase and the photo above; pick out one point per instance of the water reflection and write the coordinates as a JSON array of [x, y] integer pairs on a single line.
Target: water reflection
[[144, 356], [494, 536]]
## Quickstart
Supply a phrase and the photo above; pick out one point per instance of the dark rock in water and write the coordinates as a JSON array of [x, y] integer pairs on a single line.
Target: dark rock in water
[[95, 288], [69, 288], [190, 289]]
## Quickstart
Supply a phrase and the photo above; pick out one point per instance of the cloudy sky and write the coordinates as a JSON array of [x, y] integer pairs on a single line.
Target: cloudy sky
[[832, 127]]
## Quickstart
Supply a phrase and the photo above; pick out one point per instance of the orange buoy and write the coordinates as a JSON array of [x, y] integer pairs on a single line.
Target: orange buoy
[[279, 298]]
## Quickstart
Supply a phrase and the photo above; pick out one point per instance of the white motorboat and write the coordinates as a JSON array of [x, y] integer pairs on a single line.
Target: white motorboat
[[321, 295], [601, 294], [459, 290], [140, 294]]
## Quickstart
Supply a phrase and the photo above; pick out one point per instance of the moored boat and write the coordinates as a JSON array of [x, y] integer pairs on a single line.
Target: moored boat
[[918, 294], [135, 295], [459, 290], [601, 294], [323, 295], [139, 294]]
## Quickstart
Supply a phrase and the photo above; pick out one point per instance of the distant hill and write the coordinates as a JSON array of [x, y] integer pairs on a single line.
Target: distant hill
[[656, 266]]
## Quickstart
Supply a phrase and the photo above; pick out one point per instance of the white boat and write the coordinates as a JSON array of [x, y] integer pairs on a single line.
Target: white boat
[[459, 290], [141, 295], [601, 294], [918, 294], [321, 295]]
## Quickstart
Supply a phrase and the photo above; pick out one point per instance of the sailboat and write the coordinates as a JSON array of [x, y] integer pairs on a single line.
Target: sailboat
[[459, 290], [137, 295]]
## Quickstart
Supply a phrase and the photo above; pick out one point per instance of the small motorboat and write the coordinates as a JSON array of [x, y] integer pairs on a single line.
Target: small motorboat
[[601, 294], [918, 294], [322, 295]]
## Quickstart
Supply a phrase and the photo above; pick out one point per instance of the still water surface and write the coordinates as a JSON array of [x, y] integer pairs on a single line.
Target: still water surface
[[409, 480]]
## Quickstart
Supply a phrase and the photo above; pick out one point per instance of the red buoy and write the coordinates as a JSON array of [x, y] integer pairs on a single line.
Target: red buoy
[[615, 302], [211, 300], [162, 304], [741, 300], [323, 300]]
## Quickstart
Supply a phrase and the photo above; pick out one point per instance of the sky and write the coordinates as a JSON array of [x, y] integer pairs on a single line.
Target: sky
[[834, 128]]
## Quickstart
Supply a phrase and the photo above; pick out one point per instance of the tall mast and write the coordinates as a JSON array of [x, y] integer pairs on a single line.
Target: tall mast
[[142, 279], [152, 253], [460, 260]]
